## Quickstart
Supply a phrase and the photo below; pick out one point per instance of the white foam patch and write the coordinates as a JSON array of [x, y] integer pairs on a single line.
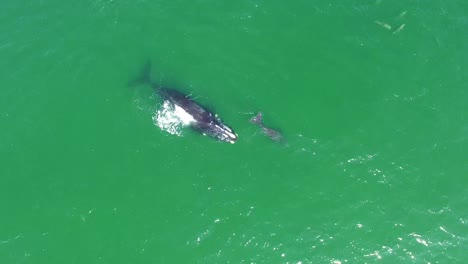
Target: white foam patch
[[184, 117], [172, 118]]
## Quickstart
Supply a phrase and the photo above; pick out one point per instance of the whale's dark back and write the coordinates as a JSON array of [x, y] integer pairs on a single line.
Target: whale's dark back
[[199, 113]]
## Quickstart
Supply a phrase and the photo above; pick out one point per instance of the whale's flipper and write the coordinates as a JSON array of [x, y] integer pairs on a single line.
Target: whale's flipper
[[144, 77]]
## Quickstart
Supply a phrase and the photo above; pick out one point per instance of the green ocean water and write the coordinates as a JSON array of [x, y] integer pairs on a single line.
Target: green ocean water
[[371, 97]]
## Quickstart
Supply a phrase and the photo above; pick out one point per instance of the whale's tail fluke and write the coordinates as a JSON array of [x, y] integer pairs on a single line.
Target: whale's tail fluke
[[257, 119], [144, 76]]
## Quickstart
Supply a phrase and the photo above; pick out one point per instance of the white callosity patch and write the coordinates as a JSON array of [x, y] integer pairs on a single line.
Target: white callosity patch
[[230, 135], [172, 118]]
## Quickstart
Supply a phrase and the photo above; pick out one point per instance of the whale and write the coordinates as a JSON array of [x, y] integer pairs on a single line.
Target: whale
[[271, 133], [201, 119]]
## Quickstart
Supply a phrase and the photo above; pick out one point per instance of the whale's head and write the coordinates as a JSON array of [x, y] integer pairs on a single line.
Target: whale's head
[[218, 130]]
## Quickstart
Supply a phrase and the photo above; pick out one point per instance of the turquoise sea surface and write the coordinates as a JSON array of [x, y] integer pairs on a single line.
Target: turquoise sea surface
[[371, 98]]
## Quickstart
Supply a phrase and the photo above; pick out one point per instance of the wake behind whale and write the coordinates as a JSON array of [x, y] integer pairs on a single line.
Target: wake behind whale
[[179, 109]]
